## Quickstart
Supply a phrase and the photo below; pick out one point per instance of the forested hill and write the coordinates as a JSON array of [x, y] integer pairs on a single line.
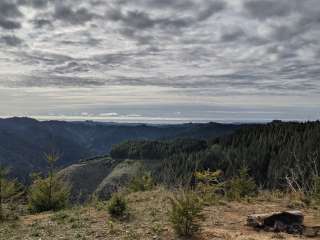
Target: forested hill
[[23, 141], [271, 152], [275, 151]]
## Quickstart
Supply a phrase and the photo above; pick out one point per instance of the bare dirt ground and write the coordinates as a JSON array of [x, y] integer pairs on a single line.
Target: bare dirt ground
[[149, 220]]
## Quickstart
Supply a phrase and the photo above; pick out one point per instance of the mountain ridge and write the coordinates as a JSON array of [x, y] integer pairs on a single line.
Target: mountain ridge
[[23, 141]]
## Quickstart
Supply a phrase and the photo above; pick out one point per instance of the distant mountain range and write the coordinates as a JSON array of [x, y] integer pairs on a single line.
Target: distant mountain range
[[23, 141]]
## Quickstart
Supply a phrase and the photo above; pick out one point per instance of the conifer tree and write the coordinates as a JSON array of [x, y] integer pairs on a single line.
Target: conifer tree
[[49, 193]]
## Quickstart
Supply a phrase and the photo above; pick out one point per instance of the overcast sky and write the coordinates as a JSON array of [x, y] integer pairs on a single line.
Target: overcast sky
[[160, 60]]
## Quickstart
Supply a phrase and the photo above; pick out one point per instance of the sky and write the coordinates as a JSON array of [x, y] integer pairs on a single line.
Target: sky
[[160, 60]]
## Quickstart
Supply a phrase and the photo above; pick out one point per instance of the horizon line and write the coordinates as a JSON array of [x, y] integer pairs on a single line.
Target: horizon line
[[149, 120]]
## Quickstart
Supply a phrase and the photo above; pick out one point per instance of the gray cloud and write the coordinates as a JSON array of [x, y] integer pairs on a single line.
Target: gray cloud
[[43, 57], [11, 40], [281, 52], [72, 67], [50, 81], [164, 4], [134, 22], [9, 24], [68, 14], [284, 33], [10, 14], [232, 35], [210, 9], [264, 9], [41, 22], [39, 3], [9, 9], [141, 20]]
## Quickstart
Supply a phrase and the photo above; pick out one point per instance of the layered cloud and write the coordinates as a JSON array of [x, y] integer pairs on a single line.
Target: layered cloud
[[212, 49]]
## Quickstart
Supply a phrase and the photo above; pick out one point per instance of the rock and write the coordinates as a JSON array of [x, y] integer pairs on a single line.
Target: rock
[[287, 221]]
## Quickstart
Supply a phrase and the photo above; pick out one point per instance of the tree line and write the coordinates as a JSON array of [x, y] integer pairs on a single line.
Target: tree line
[[273, 153]]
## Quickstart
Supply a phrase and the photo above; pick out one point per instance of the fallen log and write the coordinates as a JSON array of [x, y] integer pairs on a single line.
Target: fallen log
[[287, 221]]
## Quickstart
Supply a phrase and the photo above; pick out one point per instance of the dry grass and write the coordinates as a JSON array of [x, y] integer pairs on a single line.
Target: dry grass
[[148, 220]]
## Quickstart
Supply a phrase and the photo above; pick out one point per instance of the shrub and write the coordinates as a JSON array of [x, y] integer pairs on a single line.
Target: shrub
[[142, 182], [209, 184], [118, 206], [185, 213], [59, 217], [241, 186], [316, 191], [49, 193], [9, 192]]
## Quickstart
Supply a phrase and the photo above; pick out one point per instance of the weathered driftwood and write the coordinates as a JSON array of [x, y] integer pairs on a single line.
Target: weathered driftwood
[[287, 221]]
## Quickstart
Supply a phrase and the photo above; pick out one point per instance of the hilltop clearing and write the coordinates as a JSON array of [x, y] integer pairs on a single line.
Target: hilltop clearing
[[149, 220]]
